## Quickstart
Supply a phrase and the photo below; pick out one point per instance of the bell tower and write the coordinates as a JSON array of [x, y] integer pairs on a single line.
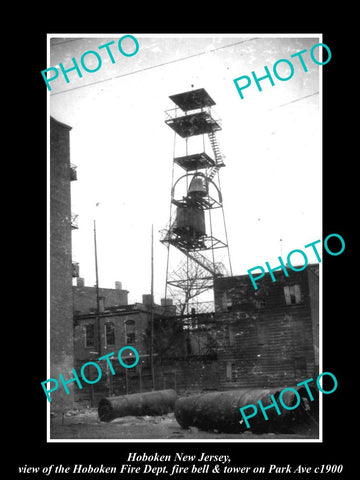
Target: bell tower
[[196, 235]]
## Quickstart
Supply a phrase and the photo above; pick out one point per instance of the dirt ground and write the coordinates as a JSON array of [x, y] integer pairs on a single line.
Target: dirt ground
[[85, 424]]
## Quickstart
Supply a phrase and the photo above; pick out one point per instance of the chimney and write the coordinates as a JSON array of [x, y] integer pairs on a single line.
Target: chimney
[[80, 282], [166, 302], [146, 299], [118, 285]]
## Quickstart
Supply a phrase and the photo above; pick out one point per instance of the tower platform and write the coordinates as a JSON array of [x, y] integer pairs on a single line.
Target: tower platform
[[192, 99], [196, 161], [198, 123]]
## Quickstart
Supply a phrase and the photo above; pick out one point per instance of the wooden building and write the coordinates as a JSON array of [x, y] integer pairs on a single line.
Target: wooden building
[[268, 337]]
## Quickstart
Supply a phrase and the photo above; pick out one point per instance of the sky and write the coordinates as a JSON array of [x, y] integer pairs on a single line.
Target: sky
[[123, 150]]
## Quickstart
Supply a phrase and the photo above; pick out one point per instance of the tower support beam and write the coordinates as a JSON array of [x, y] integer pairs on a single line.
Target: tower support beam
[[196, 208]]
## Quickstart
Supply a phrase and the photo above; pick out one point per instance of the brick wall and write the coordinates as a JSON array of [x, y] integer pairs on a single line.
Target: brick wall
[[124, 380], [139, 318], [85, 298], [61, 309]]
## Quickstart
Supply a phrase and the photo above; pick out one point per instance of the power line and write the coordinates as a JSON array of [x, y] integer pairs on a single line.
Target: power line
[[55, 44], [155, 66], [296, 100]]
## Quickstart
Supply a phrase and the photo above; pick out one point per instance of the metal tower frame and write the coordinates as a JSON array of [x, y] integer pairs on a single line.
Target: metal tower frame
[[186, 229]]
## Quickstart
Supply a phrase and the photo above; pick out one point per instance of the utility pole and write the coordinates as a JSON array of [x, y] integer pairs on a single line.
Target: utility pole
[[152, 311], [97, 294]]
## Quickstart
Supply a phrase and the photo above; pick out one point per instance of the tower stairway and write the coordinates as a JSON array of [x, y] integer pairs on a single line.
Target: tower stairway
[[219, 157], [215, 269]]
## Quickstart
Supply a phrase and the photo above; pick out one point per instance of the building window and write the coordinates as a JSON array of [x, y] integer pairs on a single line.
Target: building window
[[130, 332], [231, 375], [228, 336], [228, 371], [109, 334], [292, 294], [227, 303], [89, 335]]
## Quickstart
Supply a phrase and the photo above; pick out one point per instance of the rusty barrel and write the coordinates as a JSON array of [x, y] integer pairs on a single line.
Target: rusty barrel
[[221, 410], [157, 402]]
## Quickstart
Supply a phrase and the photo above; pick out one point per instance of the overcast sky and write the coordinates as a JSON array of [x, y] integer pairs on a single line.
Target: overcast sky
[[123, 150]]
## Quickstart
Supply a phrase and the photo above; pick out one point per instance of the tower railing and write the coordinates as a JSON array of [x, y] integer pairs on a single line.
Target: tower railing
[[177, 112]]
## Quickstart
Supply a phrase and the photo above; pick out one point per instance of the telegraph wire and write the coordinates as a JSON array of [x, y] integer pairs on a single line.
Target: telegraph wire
[[296, 100], [66, 41], [155, 66]]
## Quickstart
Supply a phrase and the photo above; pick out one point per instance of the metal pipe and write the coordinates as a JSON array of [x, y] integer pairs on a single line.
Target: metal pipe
[[138, 404], [221, 410]]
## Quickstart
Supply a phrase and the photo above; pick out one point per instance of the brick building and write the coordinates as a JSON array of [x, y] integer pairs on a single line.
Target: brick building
[[61, 267], [119, 325], [84, 297]]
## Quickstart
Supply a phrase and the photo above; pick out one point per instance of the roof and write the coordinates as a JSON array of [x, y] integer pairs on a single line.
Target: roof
[[193, 99], [61, 124]]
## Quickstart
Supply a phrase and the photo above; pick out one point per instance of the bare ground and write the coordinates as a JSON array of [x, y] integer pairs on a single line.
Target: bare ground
[[85, 424]]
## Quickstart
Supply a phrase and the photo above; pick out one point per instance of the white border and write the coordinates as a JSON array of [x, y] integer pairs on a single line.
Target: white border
[[187, 440]]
